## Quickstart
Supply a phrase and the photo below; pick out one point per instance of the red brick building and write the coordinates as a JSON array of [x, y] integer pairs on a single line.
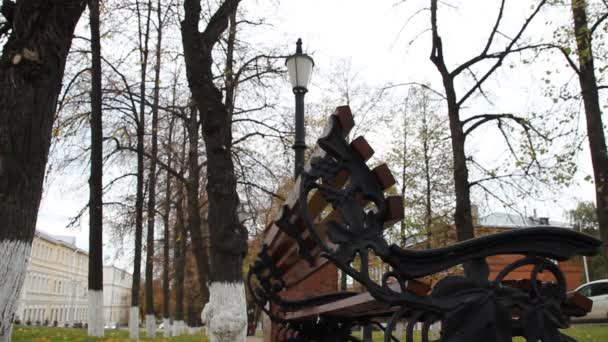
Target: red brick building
[[497, 222]]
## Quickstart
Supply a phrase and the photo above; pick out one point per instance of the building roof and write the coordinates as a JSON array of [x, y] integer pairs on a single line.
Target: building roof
[[66, 241], [504, 220], [117, 268]]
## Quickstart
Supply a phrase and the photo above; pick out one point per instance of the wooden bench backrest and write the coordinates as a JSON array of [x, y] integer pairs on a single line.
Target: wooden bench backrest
[[283, 248]]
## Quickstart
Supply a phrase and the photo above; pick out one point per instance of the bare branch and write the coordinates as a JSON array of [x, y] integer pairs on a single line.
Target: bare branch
[[597, 23], [160, 163], [500, 56], [422, 85], [259, 187]]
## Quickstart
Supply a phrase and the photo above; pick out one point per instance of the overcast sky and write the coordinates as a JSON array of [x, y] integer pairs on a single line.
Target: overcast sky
[[383, 47]]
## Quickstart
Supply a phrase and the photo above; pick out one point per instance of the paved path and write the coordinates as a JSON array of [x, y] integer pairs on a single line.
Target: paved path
[[254, 339]]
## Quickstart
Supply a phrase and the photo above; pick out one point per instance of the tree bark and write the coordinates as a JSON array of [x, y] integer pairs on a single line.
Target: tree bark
[[31, 70], [194, 227], [179, 263], [95, 297], [225, 314], [167, 237], [166, 248], [149, 288], [593, 115]]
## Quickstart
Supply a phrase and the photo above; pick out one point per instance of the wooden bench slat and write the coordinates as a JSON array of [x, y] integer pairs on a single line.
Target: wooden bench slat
[[317, 203], [384, 176], [578, 304], [362, 304], [362, 147], [346, 122], [394, 214]]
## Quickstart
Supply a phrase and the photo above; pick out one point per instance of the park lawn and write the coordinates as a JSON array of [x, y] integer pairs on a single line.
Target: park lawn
[[44, 334], [589, 332], [581, 332]]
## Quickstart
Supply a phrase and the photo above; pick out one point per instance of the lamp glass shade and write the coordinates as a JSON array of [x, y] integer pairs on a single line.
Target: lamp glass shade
[[299, 67]]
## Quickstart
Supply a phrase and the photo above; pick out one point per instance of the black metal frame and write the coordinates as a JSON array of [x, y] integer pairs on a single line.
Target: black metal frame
[[469, 308]]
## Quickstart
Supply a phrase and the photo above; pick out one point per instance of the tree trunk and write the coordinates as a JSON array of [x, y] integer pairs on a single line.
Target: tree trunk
[[149, 288], [199, 245], [139, 196], [31, 70], [167, 203], [225, 314], [462, 214], [95, 296], [404, 156], [428, 211], [150, 316], [179, 264], [593, 115], [166, 240]]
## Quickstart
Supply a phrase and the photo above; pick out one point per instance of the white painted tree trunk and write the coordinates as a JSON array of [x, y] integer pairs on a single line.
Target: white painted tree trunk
[[150, 326], [178, 328], [134, 323], [399, 330], [167, 327], [225, 315], [14, 256], [96, 319]]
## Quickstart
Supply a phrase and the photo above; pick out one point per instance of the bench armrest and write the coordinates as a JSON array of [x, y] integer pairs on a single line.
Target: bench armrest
[[550, 242]]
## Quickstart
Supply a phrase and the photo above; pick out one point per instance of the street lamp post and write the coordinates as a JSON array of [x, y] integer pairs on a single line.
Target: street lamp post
[[299, 67]]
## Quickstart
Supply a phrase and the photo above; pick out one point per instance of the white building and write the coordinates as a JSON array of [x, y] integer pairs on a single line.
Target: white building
[[116, 294], [55, 288]]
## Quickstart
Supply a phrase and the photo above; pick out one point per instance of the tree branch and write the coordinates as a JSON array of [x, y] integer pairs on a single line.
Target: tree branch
[[484, 53], [500, 56], [262, 189], [160, 163], [597, 23]]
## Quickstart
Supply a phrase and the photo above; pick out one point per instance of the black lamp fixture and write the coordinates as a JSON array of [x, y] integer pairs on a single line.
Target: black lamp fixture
[[300, 67]]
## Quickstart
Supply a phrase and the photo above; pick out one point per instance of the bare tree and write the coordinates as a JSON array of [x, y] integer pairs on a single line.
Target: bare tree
[[458, 131], [95, 296], [179, 263], [167, 233], [139, 199], [422, 156], [225, 313], [150, 316], [31, 71]]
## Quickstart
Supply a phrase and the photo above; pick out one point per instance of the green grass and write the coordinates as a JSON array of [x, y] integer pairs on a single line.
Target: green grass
[[589, 332], [43, 334], [581, 332]]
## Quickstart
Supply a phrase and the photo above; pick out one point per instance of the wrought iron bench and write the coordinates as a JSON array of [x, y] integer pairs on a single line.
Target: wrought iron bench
[[337, 211]]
